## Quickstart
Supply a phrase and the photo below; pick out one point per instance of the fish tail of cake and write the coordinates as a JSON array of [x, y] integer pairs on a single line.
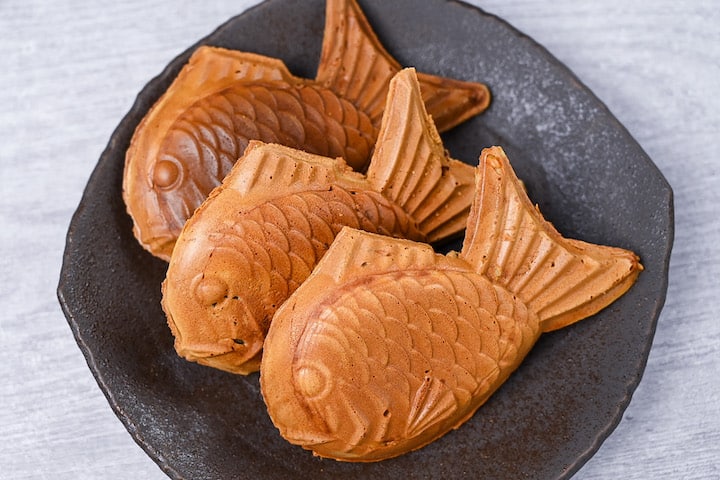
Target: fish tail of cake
[[450, 102], [410, 165], [507, 239], [355, 65]]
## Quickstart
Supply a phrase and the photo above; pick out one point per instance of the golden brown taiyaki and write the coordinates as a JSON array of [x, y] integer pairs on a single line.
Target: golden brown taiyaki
[[388, 345], [259, 235], [221, 99]]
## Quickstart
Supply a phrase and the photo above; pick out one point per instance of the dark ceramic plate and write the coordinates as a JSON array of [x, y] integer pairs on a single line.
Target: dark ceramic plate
[[589, 176]]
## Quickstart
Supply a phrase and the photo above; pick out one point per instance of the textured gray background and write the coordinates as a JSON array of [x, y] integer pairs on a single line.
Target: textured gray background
[[71, 70]]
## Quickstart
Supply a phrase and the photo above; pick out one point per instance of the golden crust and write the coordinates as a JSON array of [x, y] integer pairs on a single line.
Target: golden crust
[[222, 99], [388, 346], [260, 234]]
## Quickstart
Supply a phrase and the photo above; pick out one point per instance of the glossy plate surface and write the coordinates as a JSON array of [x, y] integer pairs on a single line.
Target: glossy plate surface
[[588, 175]]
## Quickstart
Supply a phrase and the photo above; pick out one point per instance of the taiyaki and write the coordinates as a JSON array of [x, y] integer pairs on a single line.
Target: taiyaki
[[221, 99], [259, 235], [388, 345]]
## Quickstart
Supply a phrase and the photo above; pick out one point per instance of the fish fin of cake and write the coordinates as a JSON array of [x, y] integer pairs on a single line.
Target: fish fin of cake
[[213, 68], [410, 165], [356, 253], [267, 171], [354, 64], [434, 402], [508, 240], [209, 70]]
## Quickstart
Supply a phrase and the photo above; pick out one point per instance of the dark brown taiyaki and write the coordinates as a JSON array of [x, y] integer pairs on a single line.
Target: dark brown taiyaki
[[222, 99], [388, 345], [259, 235]]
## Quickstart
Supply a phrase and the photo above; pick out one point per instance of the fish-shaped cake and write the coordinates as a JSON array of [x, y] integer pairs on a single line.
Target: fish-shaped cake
[[222, 99], [259, 235], [388, 345]]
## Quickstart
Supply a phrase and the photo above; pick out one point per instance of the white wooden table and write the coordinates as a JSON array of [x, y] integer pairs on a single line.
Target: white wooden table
[[70, 71]]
